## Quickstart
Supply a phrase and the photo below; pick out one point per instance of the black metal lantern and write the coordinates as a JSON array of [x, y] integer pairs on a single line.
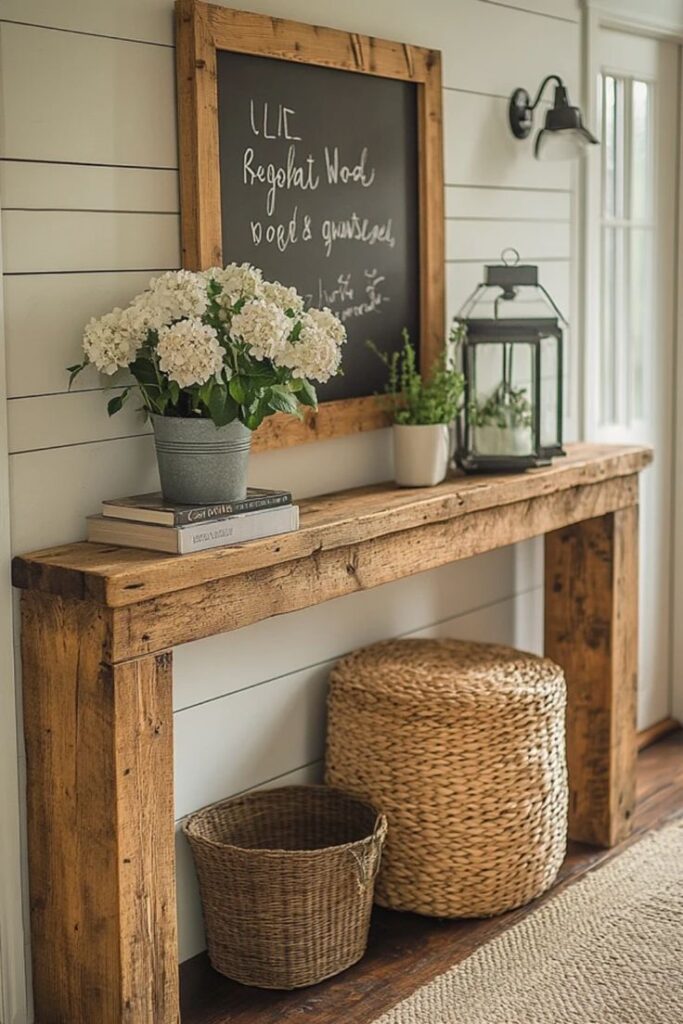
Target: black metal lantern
[[512, 415]]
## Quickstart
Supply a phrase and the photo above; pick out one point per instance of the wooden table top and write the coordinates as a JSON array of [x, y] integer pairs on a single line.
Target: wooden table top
[[119, 576]]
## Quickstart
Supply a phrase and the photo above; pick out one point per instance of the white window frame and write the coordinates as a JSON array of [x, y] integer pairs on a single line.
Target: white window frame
[[634, 16]]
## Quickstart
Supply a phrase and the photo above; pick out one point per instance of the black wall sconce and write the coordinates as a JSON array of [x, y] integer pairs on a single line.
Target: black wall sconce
[[563, 135]]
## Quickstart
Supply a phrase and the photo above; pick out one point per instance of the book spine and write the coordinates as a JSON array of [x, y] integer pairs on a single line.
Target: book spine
[[202, 536], [197, 516]]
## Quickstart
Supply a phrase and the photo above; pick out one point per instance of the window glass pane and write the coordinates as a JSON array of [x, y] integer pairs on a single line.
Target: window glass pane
[[609, 146], [607, 334], [641, 176], [627, 285], [501, 410], [549, 412], [640, 319]]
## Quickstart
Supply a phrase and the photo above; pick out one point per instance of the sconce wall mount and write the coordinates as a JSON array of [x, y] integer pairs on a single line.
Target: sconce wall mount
[[563, 122]]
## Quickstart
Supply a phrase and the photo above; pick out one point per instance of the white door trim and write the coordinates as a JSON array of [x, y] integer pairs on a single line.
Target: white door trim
[[600, 14], [640, 19], [13, 994], [677, 511]]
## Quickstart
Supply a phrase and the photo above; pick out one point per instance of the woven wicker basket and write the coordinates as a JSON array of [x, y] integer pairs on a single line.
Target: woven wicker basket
[[286, 878], [462, 746]]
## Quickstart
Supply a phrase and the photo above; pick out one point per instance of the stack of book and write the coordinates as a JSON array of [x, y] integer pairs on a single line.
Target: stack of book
[[147, 521]]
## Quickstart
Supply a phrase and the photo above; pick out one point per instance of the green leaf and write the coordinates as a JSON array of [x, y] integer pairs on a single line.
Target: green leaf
[[74, 371], [238, 390], [145, 371], [115, 404], [257, 413], [307, 395], [281, 399], [296, 331], [222, 407], [174, 391]]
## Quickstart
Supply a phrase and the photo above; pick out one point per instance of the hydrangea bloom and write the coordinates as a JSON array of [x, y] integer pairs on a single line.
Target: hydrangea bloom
[[176, 294], [316, 353], [190, 328], [282, 296], [189, 352], [108, 342], [237, 281], [264, 327]]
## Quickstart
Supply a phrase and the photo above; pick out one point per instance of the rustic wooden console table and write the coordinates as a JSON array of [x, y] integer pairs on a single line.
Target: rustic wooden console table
[[98, 625]]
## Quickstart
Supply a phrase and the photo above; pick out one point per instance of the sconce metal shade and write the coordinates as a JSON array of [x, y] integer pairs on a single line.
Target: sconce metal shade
[[563, 136]]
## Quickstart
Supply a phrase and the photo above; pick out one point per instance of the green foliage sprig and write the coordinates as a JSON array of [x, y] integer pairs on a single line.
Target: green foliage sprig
[[414, 400], [506, 408]]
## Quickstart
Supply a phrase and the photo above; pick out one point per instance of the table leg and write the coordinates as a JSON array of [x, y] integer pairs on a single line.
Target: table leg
[[591, 630], [99, 749]]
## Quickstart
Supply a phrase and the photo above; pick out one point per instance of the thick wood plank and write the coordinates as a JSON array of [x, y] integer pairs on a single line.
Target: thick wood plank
[[591, 630], [100, 821], [123, 576], [228, 603], [246, 32], [407, 951], [330, 419]]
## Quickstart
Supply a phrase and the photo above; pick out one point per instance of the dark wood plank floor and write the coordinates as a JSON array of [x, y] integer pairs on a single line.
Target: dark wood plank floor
[[406, 951]]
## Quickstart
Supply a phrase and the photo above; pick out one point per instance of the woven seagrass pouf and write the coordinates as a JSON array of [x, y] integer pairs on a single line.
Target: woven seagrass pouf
[[462, 747]]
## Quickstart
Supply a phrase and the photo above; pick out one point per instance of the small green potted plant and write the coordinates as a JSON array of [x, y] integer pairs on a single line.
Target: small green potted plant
[[423, 409], [502, 422]]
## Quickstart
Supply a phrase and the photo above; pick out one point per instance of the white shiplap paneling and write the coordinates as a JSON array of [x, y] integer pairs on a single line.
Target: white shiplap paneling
[[44, 337], [86, 99], [278, 647], [43, 186], [484, 240], [44, 241], [51, 492], [479, 148], [146, 20], [53, 421], [564, 10], [503, 204]]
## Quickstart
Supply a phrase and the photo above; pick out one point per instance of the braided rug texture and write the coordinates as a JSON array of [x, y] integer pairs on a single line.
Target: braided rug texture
[[607, 950], [462, 746]]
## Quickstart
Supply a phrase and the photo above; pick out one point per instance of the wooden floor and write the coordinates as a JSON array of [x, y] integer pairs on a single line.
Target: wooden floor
[[405, 950]]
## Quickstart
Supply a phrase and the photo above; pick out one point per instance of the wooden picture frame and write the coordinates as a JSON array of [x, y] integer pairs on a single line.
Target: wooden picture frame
[[202, 29]]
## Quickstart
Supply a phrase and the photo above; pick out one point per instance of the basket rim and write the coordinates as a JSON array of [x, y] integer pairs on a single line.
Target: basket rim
[[377, 834]]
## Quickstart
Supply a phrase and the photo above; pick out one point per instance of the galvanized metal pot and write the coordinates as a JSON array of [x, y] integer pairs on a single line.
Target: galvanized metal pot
[[200, 463]]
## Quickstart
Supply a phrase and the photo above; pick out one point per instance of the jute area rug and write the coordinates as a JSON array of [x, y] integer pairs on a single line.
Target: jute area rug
[[606, 950]]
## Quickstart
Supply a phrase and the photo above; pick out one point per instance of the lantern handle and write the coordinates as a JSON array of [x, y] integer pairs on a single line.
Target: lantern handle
[[507, 262]]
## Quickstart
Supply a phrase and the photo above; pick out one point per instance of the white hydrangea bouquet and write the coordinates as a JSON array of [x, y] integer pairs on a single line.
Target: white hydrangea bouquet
[[220, 345]]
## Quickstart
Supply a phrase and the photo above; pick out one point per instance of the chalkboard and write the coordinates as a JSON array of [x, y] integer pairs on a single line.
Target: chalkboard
[[317, 155], [319, 188]]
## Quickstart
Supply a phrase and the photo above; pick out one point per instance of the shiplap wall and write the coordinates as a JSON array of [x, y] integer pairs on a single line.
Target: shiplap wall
[[88, 187]]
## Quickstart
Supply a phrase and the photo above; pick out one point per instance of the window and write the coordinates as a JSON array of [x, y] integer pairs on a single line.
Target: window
[[627, 252]]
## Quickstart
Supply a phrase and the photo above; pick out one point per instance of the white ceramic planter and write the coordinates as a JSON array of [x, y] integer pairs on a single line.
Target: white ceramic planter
[[492, 440], [421, 454]]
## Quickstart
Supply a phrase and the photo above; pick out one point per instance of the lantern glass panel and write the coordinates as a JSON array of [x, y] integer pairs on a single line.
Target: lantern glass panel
[[550, 411], [501, 414]]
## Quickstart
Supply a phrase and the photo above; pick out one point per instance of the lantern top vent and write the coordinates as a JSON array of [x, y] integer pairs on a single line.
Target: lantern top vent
[[511, 280]]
